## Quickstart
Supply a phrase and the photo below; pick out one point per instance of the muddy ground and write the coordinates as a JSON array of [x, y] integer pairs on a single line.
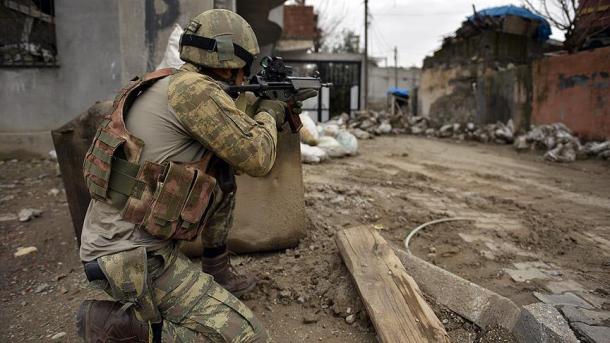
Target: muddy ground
[[555, 218]]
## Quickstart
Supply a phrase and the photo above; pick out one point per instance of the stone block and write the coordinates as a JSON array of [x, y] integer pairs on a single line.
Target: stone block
[[471, 301], [579, 315], [595, 334], [542, 323], [567, 298], [563, 286]]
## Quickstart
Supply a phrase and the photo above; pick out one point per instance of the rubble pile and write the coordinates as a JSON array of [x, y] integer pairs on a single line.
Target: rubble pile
[[338, 136]]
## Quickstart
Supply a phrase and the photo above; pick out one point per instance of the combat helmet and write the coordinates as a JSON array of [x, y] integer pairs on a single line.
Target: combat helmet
[[219, 39]]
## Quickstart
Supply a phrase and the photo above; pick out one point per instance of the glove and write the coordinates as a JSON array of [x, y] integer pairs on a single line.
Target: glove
[[301, 95], [276, 108]]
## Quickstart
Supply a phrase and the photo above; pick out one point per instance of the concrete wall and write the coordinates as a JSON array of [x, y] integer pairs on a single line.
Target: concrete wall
[[503, 95], [101, 44], [473, 93], [380, 79], [574, 89], [445, 94]]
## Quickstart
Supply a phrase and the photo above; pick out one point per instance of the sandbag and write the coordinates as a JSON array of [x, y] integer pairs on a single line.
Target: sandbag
[[312, 154], [331, 146], [348, 141], [309, 132]]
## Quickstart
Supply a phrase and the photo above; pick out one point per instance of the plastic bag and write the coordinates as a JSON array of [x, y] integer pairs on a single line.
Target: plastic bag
[[348, 142], [171, 58], [331, 146]]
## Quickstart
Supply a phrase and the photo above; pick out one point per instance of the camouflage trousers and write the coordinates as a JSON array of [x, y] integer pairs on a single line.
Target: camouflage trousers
[[193, 307], [216, 232]]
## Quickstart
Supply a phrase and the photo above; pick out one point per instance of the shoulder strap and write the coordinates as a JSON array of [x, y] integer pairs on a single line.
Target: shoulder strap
[[135, 87]]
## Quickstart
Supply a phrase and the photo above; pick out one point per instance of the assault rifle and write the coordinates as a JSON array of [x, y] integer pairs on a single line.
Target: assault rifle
[[275, 81]]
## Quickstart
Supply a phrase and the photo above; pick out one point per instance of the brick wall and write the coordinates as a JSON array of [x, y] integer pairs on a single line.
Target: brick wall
[[299, 22], [574, 89]]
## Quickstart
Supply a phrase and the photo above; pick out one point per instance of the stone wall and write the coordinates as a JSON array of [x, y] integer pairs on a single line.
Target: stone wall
[[474, 93]]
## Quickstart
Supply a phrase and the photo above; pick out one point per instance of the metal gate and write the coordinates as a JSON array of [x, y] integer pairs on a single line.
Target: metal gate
[[343, 71]]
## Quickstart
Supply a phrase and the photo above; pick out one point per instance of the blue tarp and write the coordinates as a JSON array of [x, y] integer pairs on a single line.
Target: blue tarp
[[403, 92], [544, 29]]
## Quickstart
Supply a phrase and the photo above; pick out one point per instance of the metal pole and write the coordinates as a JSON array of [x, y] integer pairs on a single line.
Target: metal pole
[[366, 53], [395, 67]]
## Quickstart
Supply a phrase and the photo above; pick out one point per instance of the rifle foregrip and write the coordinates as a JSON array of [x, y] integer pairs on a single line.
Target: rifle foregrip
[[293, 120]]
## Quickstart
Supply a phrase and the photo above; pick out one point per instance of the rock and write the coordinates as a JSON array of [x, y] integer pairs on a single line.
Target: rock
[[348, 142], [28, 213], [361, 134], [470, 126], [594, 334], [8, 217], [416, 130], [384, 128], [562, 153], [58, 335], [41, 288], [54, 192], [53, 155], [310, 318], [350, 319], [429, 132], [542, 323], [595, 148], [22, 251], [567, 298], [445, 131], [580, 315], [285, 294], [7, 198], [521, 143]]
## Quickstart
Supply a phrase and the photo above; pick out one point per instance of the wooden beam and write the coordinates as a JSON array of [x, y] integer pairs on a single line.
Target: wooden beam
[[391, 297]]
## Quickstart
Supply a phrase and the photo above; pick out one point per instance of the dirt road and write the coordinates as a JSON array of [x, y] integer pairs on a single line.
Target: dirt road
[[531, 218]]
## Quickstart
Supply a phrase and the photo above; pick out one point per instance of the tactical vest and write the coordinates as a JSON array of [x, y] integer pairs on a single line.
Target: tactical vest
[[170, 200]]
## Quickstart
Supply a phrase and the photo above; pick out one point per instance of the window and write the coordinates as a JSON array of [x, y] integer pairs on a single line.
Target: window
[[27, 33]]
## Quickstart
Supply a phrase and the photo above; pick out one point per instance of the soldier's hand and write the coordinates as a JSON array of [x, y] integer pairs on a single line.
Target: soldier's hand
[[276, 108], [297, 99], [305, 94]]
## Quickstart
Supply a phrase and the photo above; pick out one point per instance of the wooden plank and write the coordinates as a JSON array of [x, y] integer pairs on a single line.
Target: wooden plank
[[391, 297]]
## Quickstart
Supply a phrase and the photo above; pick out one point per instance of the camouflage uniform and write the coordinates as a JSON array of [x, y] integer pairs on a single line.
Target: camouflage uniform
[[191, 304], [180, 118]]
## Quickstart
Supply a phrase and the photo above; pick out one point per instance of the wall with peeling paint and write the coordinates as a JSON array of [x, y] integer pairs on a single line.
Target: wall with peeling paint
[[574, 89], [101, 45]]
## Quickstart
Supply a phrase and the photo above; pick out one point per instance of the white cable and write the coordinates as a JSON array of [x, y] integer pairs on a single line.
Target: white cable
[[414, 231]]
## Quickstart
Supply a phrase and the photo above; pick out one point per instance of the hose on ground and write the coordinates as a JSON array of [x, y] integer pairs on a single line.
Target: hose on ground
[[437, 221]]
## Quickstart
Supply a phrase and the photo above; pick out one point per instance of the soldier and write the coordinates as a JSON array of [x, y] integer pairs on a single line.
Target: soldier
[[161, 170]]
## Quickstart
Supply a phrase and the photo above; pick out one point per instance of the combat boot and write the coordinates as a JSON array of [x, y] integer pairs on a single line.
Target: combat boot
[[103, 321], [225, 275]]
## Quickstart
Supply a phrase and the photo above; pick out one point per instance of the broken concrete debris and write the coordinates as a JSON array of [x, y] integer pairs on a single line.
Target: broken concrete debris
[[556, 140], [22, 251], [28, 213], [541, 322]]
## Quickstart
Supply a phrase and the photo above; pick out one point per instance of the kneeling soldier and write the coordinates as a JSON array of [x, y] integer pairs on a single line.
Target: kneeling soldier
[[161, 170]]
